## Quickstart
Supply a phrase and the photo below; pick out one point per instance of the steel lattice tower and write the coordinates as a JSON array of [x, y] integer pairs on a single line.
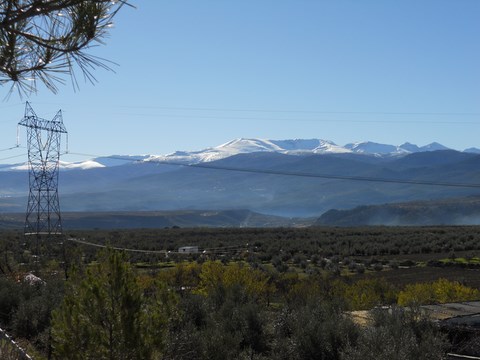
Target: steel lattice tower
[[43, 209]]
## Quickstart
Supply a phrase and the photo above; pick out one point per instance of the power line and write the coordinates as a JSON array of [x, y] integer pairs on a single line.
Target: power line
[[418, 121], [303, 111], [284, 111], [224, 250], [335, 177], [12, 157], [10, 148], [300, 174], [81, 241]]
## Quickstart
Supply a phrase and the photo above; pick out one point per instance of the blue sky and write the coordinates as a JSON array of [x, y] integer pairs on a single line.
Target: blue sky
[[194, 74]]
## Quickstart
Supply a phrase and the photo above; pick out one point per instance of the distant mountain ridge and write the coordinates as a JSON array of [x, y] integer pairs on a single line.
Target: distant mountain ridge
[[454, 211], [238, 146], [288, 178], [159, 219], [295, 147]]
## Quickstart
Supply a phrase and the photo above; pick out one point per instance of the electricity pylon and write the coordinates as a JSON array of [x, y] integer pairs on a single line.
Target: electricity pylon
[[43, 209]]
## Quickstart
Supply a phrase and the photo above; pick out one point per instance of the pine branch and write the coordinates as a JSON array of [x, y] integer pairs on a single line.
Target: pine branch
[[43, 39]]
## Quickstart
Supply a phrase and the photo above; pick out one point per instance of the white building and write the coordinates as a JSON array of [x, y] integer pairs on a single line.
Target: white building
[[188, 250]]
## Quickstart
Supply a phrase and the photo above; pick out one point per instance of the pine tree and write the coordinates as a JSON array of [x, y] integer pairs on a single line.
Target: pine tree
[[105, 316], [43, 39]]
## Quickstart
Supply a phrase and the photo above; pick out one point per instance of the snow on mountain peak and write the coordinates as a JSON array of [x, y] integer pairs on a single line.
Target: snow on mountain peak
[[246, 145], [63, 165], [84, 165], [369, 147], [251, 145], [291, 147], [243, 145]]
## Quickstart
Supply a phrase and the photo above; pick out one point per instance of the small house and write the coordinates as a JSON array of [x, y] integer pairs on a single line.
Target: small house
[[188, 250]]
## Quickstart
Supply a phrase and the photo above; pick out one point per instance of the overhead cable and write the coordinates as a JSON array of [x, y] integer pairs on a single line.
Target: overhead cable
[[300, 174], [225, 250], [10, 148], [12, 157]]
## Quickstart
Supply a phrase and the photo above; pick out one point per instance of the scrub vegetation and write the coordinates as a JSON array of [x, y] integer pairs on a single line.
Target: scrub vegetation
[[245, 294]]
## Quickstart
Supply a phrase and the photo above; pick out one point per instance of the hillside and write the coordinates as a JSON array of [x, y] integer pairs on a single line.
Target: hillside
[[282, 183], [159, 219], [463, 211]]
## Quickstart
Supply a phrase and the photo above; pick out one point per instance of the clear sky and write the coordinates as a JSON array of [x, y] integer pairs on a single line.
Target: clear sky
[[198, 73]]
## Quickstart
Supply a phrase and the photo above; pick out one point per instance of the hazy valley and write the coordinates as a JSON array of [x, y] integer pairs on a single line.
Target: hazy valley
[[254, 178]]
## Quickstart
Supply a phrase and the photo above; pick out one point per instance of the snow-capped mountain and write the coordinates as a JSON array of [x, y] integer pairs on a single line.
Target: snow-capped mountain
[[100, 162], [145, 184], [292, 147], [372, 148], [245, 146], [116, 160], [63, 165]]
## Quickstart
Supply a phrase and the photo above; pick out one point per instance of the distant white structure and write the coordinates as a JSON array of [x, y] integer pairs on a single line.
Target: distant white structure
[[33, 280], [188, 250]]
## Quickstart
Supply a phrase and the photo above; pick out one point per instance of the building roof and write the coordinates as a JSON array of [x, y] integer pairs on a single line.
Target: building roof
[[452, 310]]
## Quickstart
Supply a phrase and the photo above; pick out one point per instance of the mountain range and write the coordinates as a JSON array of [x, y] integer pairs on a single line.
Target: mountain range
[[289, 178], [299, 147]]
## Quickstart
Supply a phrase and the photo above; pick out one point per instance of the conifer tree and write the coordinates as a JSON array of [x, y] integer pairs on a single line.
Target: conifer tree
[[41, 40], [105, 316]]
